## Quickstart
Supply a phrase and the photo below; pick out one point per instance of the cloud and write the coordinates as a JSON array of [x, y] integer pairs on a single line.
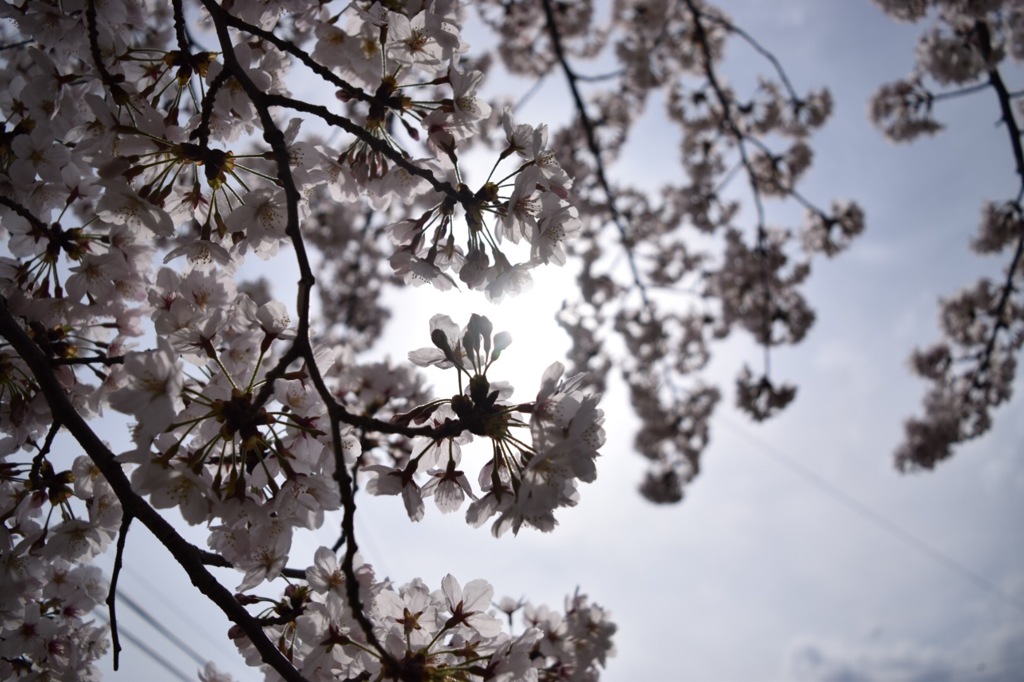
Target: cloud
[[996, 656]]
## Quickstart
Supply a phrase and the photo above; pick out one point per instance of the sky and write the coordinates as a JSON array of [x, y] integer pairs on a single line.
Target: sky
[[799, 553]]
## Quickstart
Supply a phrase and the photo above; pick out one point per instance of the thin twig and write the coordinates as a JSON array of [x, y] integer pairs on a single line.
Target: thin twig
[[179, 29], [755, 45], [12, 46], [94, 360], [350, 90], [202, 133], [126, 521], [23, 212], [94, 49], [37, 460], [595, 150], [375, 143], [962, 92]]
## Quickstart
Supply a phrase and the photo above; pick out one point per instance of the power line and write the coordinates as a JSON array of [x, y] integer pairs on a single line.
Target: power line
[[148, 650], [159, 627], [167, 605], [879, 521]]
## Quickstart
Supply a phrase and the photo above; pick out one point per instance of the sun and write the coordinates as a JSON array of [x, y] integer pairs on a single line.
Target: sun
[[537, 340]]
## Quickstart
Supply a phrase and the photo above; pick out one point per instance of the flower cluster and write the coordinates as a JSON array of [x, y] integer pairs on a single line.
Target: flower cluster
[[522, 482], [972, 369], [55, 522], [447, 230], [449, 633], [527, 205], [903, 110]]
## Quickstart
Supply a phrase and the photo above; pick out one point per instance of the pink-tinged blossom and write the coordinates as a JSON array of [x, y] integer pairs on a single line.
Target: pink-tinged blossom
[[513, 660], [333, 47], [565, 425], [28, 637], [267, 556], [97, 276], [153, 391], [303, 500], [556, 222], [411, 615], [418, 271], [326, 577], [409, 43], [468, 108], [518, 136], [441, 24], [175, 487], [324, 658], [506, 278], [37, 154], [387, 480], [446, 336], [232, 105], [519, 218], [122, 206], [273, 318], [201, 254], [260, 221], [831, 233], [469, 605], [75, 540], [449, 488], [86, 474]]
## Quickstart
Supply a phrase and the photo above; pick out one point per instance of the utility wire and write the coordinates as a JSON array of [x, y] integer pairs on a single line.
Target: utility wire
[[167, 605], [159, 627], [148, 650], [879, 521]]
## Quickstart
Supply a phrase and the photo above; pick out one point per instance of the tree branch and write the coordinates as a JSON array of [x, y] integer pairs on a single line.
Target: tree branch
[[132, 504], [301, 346], [740, 138], [595, 150], [995, 79], [289, 47]]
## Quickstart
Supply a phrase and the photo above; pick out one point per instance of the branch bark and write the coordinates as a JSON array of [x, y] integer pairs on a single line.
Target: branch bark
[[186, 554]]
